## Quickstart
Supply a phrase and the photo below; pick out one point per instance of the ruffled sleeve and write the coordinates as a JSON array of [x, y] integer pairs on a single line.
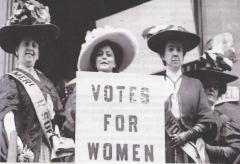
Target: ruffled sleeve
[[9, 99]]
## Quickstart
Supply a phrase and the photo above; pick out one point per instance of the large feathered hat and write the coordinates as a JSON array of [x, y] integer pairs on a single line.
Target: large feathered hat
[[216, 60], [30, 18]]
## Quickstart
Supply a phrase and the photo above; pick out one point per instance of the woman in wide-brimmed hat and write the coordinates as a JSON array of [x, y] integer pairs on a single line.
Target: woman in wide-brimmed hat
[[188, 116], [107, 49], [212, 73], [122, 43], [23, 35]]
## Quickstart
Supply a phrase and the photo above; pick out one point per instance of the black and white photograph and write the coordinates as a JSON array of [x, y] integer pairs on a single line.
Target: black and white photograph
[[120, 81]]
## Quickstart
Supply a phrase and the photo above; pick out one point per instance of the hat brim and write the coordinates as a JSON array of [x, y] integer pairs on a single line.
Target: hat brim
[[123, 38], [10, 36], [157, 41], [204, 74]]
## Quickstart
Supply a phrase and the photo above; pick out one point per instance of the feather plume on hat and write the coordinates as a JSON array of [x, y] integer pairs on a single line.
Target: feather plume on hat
[[216, 60], [219, 52]]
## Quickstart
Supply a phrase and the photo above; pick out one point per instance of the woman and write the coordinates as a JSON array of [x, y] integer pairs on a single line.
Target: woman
[[226, 145], [109, 50], [29, 103], [188, 117]]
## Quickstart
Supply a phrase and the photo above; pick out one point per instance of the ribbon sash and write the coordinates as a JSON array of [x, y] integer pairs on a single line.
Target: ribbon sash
[[196, 152], [38, 100]]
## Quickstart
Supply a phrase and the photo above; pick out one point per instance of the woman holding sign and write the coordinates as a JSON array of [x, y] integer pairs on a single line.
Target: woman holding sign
[[28, 100], [107, 49]]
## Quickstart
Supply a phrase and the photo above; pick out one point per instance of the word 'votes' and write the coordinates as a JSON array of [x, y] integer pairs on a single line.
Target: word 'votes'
[[108, 92]]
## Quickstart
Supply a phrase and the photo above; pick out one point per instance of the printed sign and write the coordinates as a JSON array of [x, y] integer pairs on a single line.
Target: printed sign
[[231, 95], [120, 118]]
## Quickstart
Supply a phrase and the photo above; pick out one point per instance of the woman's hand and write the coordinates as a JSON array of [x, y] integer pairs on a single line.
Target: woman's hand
[[183, 137], [178, 139]]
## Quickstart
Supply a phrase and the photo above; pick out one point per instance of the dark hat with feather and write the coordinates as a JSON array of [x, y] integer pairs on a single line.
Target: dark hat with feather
[[216, 60], [157, 37]]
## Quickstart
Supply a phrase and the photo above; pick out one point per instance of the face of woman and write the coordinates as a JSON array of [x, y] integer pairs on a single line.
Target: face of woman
[[173, 55], [211, 90], [105, 60], [28, 52]]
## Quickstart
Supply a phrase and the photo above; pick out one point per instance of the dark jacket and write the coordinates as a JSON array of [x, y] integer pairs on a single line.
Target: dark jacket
[[13, 97], [226, 146], [194, 110]]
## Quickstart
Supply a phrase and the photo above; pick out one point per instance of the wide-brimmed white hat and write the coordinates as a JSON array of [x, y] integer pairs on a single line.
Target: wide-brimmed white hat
[[124, 38]]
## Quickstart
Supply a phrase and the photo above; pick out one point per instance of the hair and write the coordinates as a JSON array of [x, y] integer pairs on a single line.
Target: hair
[[162, 48], [221, 89], [37, 38], [117, 51]]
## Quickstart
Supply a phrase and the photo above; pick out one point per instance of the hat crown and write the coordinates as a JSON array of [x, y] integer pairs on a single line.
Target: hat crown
[[29, 12], [214, 61], [94, 34], [174, 28], [29, 18], [103, 31], [153, 30], [219, 53]]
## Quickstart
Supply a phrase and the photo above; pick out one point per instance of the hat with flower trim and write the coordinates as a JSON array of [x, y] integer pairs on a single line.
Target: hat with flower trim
[[30, 18]]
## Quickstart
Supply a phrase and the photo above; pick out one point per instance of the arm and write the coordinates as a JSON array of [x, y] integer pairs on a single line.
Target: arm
[[70, 110], [9, 102], [9, 123], [228, 146], [205, 116], [10, 126], [205, 126], [195, 132], [222, 153]]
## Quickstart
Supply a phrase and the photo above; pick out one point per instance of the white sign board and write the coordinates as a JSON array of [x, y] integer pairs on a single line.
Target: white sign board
[[231, 95], [120, 118]]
